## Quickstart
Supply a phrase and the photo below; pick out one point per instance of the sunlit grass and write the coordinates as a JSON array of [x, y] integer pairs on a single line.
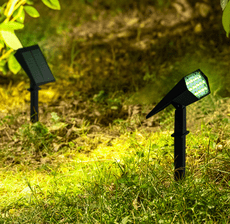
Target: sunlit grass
[[131, 179]]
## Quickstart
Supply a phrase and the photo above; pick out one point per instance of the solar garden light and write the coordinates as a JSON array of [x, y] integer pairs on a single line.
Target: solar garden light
[[34, 64], [189, 89]]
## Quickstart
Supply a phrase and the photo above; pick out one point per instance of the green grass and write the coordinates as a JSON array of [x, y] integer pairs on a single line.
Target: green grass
[[130, 181]]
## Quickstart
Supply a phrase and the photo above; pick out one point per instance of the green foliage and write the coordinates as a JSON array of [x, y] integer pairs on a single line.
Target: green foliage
[[53, 4], [8, 37], [100, 97], [37, 134], [31, 11], [223, 4], [55, 118], [13, 64], [11, 26], [226, 19]]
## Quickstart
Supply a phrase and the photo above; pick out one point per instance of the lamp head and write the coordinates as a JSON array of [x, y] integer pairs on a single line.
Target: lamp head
[[189, 89]]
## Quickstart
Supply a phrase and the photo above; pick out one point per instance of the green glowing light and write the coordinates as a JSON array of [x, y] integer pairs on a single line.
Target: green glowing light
[[197, 84]]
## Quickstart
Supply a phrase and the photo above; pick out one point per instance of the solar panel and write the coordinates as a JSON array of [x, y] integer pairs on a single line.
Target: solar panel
[[34, 64]]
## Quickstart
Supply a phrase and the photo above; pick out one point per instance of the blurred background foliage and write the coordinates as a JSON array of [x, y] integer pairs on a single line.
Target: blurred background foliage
[[86, 60]]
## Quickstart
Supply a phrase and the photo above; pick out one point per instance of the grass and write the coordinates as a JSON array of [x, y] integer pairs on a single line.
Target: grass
[[60, 171], [125, 180]]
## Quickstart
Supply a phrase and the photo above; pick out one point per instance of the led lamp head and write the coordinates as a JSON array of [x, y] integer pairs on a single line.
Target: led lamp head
[[189, 89]]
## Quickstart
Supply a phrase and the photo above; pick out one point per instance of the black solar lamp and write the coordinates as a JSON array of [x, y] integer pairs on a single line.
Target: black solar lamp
[[34, 64], [189, 89]]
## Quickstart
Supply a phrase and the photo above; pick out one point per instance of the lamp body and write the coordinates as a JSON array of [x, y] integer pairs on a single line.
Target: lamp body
[[188, 90]]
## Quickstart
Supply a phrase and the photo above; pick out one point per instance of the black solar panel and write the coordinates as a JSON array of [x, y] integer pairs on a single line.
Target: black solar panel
[[34, 64]]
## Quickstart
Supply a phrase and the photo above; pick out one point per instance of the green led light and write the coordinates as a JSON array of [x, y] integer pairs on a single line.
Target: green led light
[[196, 84]]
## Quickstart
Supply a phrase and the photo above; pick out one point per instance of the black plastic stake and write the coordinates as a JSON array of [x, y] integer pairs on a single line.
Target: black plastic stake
[[33, 102], [179, 135]]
